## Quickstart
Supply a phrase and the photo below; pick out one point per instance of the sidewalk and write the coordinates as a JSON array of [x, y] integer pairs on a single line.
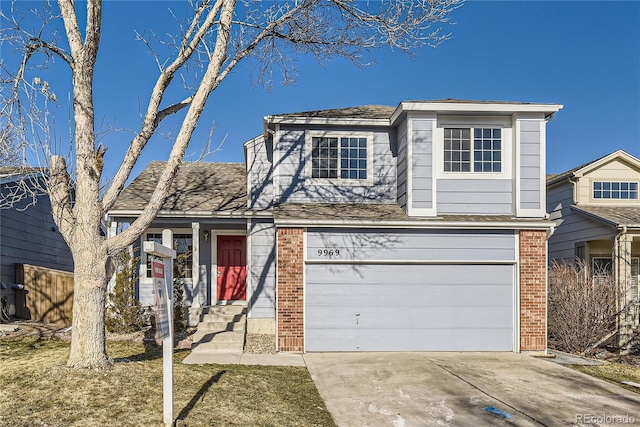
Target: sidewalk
[[279, 359]]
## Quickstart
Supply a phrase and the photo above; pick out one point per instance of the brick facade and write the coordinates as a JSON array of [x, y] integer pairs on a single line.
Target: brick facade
[[533, 290], [290, 298]]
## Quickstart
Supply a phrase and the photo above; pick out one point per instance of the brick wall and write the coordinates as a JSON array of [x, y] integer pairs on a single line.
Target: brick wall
[[290, 290], [533, 290]]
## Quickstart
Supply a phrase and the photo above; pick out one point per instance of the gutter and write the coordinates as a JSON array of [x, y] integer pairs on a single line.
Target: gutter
[[515, 225]]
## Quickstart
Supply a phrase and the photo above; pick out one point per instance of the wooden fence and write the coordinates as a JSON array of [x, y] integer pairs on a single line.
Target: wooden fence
[[49, 297]]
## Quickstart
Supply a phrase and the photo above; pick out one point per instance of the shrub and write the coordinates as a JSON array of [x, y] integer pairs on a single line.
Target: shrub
[[124, 312], [582, 306], [179, 282]]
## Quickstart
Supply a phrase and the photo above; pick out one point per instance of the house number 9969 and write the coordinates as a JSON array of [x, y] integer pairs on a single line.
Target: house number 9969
[[328, 252]]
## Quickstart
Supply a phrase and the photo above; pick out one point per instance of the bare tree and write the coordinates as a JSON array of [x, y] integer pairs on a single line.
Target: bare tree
[[215, 36], [582, 306]]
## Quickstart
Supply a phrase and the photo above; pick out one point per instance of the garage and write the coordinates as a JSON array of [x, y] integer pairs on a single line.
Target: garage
[[425, 290]]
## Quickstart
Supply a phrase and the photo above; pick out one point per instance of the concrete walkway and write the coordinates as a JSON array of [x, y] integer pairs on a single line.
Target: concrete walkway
[[464, 389], [280, 359]]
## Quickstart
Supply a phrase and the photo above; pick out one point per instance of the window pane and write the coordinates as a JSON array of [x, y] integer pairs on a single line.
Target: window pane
[[487, 150], [615, 190], [353, 157]]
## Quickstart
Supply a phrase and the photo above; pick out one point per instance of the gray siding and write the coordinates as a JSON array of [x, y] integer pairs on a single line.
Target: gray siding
[[262, 269], [260, 174], [418, 245], [30, 236], [571, 227], [409, 308], [475, 196], [422, 163], [402, 166], [530, 164], [293, 187]]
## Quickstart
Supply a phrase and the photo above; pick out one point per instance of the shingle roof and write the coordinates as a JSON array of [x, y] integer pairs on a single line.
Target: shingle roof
[[553, 178], [372, 212], [342, 211], [618, 215], [360, 112], [197, 187], [382, 111]]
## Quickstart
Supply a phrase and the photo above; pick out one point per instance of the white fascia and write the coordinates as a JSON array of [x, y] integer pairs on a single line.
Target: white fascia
[[282, 120], [192, 214], [431, 224]]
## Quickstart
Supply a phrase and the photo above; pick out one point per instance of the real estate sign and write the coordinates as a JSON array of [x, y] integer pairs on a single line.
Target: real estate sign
[[160, 293]]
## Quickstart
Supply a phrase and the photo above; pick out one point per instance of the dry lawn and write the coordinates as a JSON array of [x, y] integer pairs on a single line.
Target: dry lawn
[[37, 389], [614, 373]]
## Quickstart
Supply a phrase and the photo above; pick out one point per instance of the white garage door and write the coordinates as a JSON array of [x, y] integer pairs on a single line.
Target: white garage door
[[423, 307]]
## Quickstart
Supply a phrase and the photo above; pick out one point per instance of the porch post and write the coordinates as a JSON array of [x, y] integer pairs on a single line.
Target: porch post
[[111, 232], [195, 268], [623, 279]]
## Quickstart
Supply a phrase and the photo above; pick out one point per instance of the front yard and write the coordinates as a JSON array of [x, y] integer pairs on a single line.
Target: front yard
[[615, 373], [36, 389]]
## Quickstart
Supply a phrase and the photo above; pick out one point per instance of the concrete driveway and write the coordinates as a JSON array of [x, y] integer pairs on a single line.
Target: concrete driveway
[[452, 389]]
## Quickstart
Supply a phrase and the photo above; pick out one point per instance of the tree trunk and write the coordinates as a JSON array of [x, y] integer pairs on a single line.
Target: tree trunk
[[88, 345]]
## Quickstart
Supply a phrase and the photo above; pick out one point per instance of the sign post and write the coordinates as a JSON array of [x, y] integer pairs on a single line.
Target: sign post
[[162, 274]]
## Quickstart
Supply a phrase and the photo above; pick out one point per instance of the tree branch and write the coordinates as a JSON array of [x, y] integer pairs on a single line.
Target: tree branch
[[208, 83], [152, 117]]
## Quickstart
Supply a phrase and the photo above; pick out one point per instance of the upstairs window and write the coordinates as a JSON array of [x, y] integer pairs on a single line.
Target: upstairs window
[[473, 150], [615, 190], [339, 157]]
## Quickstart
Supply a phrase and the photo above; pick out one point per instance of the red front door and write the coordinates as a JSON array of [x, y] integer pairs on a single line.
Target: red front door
[[232, 268]]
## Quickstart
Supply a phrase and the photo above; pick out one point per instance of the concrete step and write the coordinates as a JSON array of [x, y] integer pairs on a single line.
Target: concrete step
[[221, 347], [222, 317], [218, 336], [222, 326], [224, 309]]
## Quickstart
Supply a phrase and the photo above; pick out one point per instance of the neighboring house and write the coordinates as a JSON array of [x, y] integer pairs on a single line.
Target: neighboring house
[[597, 211], [410, 228], [28, 234]]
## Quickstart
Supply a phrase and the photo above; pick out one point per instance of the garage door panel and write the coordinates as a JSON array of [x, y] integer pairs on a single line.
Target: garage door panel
[[409, 317], [470, 317], [395, 274], [360, 295], [354, 339], [411, 244], [409, 307]]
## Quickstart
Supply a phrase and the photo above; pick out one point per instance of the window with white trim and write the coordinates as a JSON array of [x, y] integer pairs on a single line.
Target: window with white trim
[[615, 190], [603, 268], [480, 153], [183, 245], [342, 157]]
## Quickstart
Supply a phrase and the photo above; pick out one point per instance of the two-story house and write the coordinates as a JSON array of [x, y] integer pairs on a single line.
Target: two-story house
[[597, 211], [409, 228]]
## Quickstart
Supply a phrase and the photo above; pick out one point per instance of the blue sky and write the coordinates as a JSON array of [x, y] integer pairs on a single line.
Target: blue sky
[[582, 54]]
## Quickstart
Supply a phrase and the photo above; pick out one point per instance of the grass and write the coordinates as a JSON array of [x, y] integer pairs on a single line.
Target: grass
[[37, 389], [614, 373]]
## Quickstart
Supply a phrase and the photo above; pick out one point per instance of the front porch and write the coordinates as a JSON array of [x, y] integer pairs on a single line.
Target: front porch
[[618, 256]]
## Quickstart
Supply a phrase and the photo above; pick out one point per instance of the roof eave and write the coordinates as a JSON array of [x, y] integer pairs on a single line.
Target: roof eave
[[474, 107], [324, 121], [435, 224], [596, 217], [117, 213]]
